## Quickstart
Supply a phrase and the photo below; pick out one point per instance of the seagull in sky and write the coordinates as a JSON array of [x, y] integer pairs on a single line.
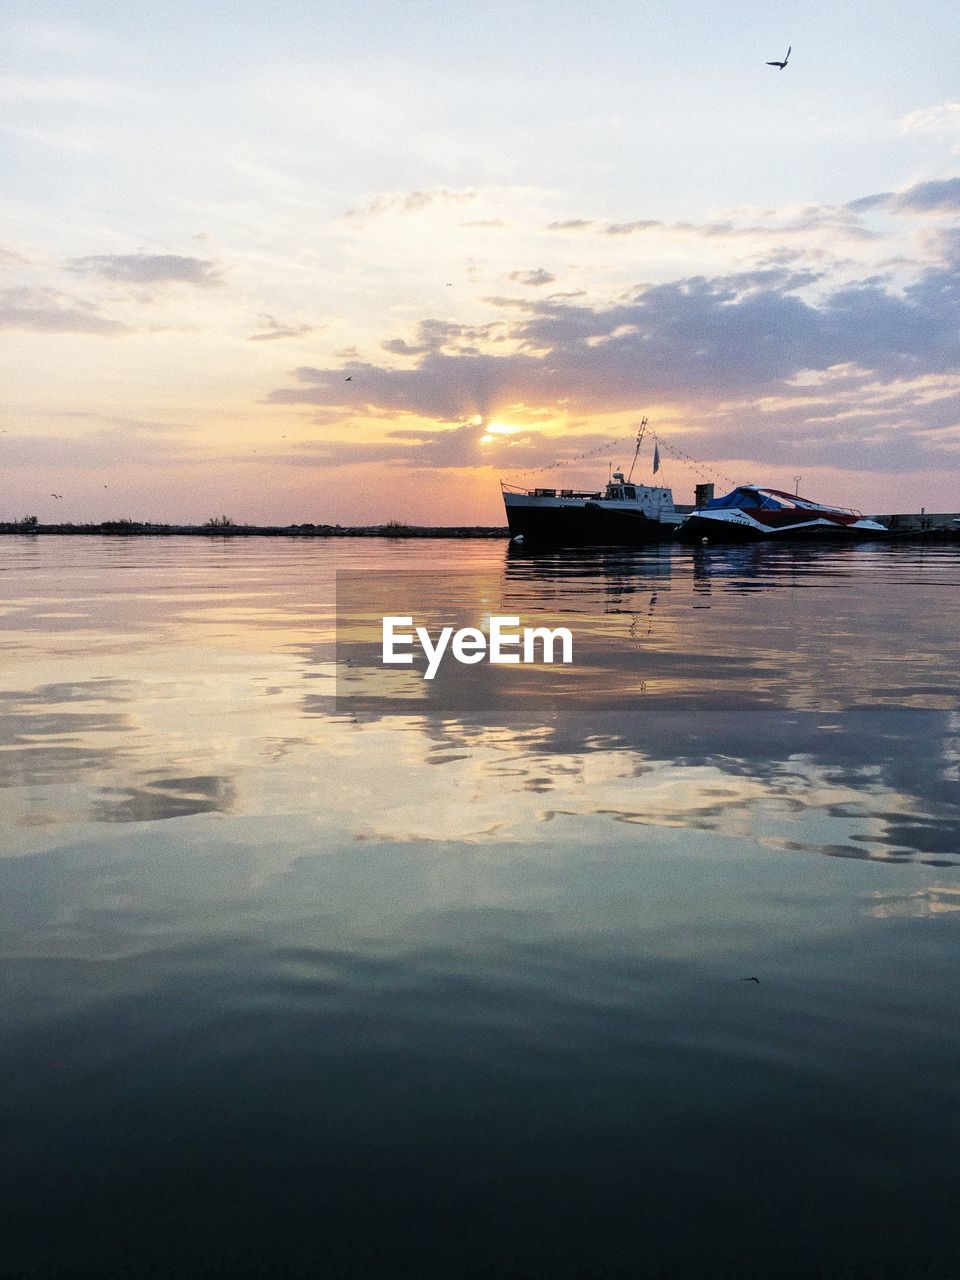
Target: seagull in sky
[[782, 64], [350, 379], [756, 980]]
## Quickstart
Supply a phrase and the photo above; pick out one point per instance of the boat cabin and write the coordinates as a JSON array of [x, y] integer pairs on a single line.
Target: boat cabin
[[618, 490]]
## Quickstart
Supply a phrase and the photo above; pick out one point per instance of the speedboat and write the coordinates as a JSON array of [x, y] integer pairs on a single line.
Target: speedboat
[[749, 513]]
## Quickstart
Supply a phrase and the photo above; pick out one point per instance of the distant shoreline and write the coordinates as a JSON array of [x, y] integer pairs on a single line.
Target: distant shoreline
[[922, 527], [134, 528]]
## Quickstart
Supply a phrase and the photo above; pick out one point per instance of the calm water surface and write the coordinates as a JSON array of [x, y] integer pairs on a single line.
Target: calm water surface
[[416, 982]]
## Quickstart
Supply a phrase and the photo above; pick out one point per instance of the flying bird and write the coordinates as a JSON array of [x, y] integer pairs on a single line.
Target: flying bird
[[756, 980], [782, 64], [350, 379], [56, 495]]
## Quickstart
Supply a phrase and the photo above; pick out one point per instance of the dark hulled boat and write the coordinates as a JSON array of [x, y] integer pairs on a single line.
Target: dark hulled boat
[[623, 514]]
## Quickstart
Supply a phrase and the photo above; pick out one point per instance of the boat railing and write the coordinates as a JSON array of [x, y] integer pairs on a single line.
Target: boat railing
[[823, 506], [797, 501], [506, 487]]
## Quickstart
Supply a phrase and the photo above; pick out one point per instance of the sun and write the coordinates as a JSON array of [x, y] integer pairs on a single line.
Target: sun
[[495, 429]]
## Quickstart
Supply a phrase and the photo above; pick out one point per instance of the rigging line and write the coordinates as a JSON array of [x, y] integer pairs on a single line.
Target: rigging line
[[605, 447], [693, 463]]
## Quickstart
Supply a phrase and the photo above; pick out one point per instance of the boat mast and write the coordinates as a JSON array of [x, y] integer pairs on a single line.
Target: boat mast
[[640, 434]]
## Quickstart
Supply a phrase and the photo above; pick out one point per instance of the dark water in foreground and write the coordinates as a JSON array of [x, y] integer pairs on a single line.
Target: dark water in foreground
[[438, 986]]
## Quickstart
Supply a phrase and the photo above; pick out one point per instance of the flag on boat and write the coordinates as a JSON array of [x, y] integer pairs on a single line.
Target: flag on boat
[[656, 458]]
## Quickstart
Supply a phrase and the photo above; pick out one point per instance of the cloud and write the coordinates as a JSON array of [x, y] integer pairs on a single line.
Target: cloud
[[439, 335], [441, 387], [865, 203], [274, 330], [411, 202], [628, 228], [498, 300], [923, 197], [857, 424], [532, 278], [572, 224], [49, 311], [942, 118], [453, 447], [702, 343], [930, 197], [146, 268], [750, 225], [445, 448]]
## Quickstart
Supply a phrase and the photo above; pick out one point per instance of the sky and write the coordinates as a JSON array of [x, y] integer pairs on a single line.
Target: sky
[[351, 263]]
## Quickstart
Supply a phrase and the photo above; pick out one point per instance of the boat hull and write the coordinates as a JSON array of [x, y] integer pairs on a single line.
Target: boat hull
[[584, 524], [700, 527]]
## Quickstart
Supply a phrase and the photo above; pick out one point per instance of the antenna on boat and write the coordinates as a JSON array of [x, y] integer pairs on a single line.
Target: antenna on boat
[[640, 434]]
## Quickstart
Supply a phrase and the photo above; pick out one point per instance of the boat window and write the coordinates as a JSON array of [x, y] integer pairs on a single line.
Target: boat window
[[630, 492], [615, 492]]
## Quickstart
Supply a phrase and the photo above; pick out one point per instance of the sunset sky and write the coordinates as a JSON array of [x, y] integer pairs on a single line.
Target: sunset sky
[[516, 228]]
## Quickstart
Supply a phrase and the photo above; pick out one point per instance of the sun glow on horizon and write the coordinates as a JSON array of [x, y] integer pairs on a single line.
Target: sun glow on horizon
[[495, 429]]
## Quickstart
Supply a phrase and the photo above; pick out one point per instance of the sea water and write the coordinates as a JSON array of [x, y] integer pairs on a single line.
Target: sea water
[[645, 966]]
